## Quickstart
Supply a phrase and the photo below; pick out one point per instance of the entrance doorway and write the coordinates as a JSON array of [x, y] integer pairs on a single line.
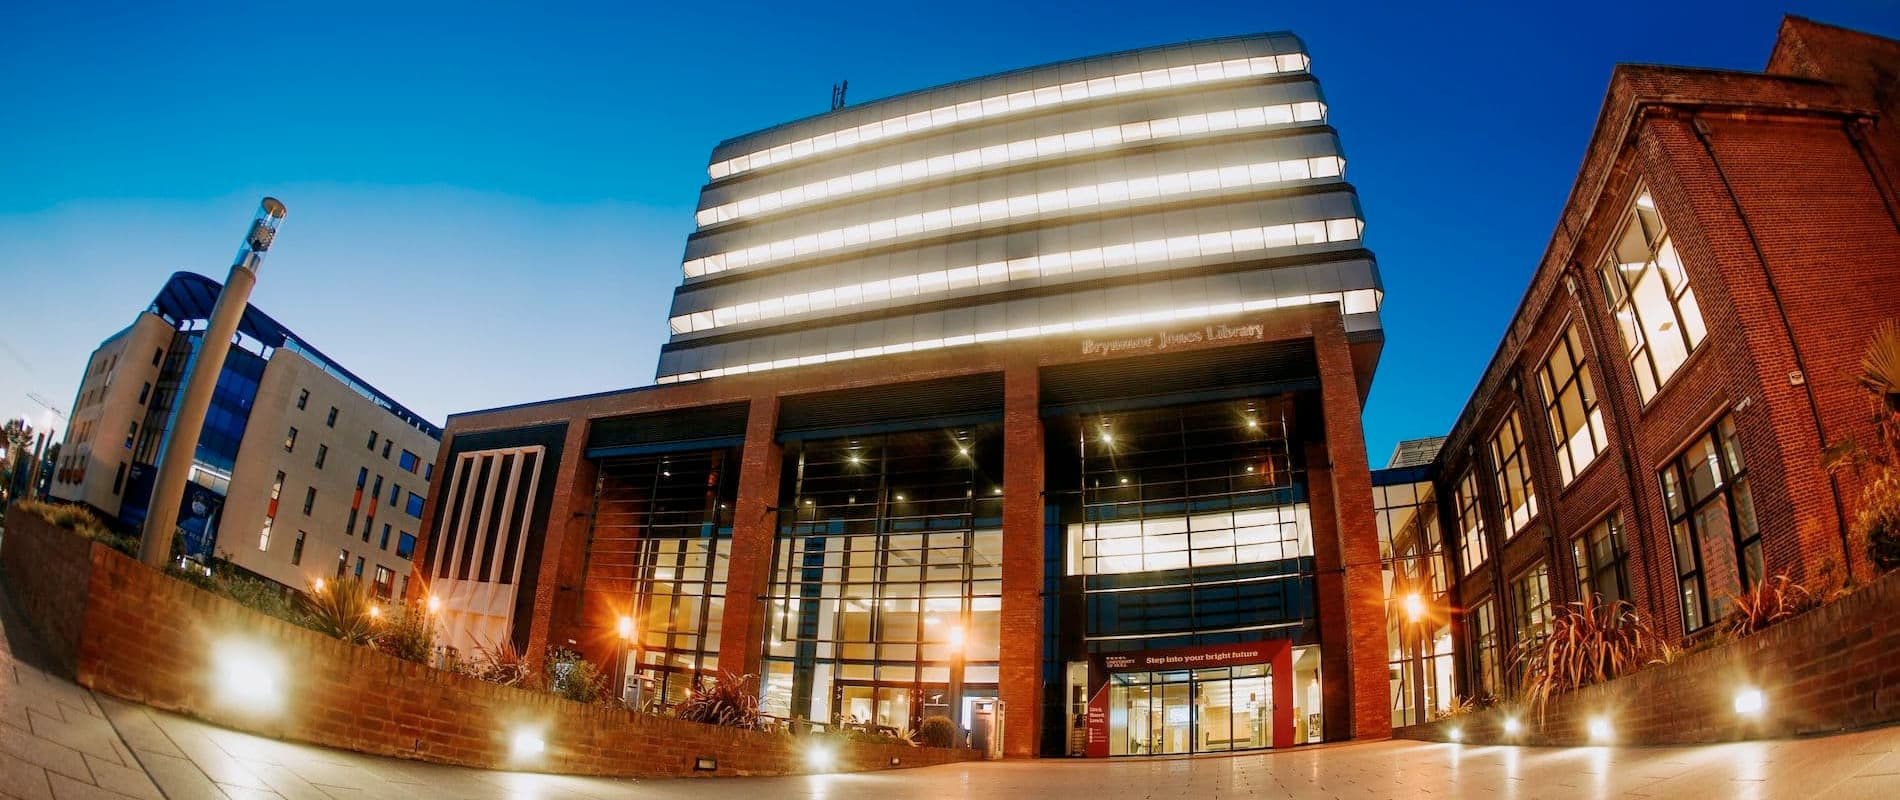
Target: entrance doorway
[[1190, 711]]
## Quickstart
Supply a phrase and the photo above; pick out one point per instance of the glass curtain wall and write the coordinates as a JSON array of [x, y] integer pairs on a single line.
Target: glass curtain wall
[[1417, 582], [1189, 526], [886, 592], [660, 547]]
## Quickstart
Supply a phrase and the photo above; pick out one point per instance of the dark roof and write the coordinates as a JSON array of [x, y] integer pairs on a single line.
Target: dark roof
[[190, 296]]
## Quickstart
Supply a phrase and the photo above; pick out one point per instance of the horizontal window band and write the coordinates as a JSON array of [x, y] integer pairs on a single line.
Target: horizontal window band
[[1128, 139], [1119, 256], [1136, 403], [1014, 105], [1128, 637], [654, 448], [1105, 278], [1074, 217], [1135, 192]]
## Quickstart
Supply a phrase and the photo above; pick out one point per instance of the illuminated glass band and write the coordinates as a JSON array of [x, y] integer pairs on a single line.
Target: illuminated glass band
[[1150, 251], [1354, 301], [1027, 205], [1017, 152], [1013, 103]]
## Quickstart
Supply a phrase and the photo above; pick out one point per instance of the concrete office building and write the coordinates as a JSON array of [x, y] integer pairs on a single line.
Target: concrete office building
[[1652, 427], [303, 470], [1042, 387]]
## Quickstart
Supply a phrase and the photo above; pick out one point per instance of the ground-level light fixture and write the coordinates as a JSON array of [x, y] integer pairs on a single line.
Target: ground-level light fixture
[[526, 745], [820, 758], [1512, 727], [1455, 734], [248, 676], [375, 612], [1749, 701], [705, 764], [1600, 731], [996, 490]]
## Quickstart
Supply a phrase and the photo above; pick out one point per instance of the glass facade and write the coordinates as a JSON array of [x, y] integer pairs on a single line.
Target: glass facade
[[1418, 581], [1175, 183], [885, 600]]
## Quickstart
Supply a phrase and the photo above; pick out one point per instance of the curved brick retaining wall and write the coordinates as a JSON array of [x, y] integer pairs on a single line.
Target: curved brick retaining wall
[[119, 627], [1832, 669]]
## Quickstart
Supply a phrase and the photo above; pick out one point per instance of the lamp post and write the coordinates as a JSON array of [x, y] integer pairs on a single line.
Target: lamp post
[[1414, 630], [625, 628], [207, 363]]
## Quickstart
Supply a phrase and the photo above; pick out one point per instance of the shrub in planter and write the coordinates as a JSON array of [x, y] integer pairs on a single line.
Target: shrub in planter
[[1771, 601], [937, 731], [498, 662], [573, 677], [730, 700], [340, 608], [1877, 515], [407, 633], [1589, 642], [81, 521]]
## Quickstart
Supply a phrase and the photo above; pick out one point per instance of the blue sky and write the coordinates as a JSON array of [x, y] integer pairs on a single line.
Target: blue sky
[[488, 205]]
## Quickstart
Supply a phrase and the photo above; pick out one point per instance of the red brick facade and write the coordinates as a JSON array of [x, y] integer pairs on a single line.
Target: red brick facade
[[119, 627], [1350, 605], [1777, 198]]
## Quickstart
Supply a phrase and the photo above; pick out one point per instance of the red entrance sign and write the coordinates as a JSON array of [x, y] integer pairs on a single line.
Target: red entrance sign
[[1277, 653]]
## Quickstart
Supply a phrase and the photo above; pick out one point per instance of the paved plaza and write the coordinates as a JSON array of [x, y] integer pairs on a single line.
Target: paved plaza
[[58, 740]]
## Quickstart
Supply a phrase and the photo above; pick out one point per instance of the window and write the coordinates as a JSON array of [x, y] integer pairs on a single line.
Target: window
[[1473, 549], [157, 353], [407, 461], [270, 512], [428, 472], [130, 435], [296, 551], [414, 508], [359, 567], [290, 441], [342, 561], [1485, 664], [395, 492], [1570, 403], [384, 545], [1516, 496], [144, 391], [1599, 557], [1712, 523], [385, 582], [309, 500], [330, 422], [405, 545], [118, 478], [323, 450], [372, 441], [1649, 294], [303, 399], [1530, 604], [386, 444]]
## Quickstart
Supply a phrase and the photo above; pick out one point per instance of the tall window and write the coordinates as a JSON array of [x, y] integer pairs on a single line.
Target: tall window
[[1516, 496], [1485, 664], [1649, 293], [303, 399], [1473, 549], [270, 512], [323, 452], [342, 561], [330, 421], [309, 500], [1598, 554], [385, 582], [1712, 522], [1570, 403], [1530, 604], [290, 440], [296, 551]]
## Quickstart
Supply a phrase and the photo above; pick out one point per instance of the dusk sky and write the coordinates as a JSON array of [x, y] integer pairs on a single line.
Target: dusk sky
[[488, 206]]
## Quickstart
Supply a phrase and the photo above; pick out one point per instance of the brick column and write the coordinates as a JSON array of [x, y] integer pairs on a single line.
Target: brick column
[[1358, 532], [564, 546], [1021, 678], [754, 528]]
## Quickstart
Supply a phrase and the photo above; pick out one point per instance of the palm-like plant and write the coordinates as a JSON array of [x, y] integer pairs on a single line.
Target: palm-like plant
[[1589, 642], [1877, 519], [731, 700], [341, 608], [1769, 602]]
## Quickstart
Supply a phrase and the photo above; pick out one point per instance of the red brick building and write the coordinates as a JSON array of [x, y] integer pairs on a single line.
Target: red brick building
[[1652, 427], [1041, 388]]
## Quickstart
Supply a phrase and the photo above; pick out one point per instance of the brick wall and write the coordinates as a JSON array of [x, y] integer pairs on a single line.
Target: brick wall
[[1829, 670], [145, 637]]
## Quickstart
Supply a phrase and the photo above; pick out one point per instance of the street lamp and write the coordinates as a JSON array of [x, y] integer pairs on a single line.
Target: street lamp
[[624, 627]]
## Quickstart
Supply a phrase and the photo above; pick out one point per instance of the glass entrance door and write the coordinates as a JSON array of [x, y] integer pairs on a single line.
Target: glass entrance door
[[1177, 713]]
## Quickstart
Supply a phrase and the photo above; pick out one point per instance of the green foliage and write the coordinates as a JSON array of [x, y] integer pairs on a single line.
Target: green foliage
[[81, 521], [340, 608], [937, 731], [497, 662], [729, 700], [1877, 516], [406, 631], [1589, 642], [1461, 706]]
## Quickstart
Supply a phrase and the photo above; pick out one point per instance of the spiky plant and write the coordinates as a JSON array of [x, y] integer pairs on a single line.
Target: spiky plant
[[341, 608], [729, 700], [1877, 516], [1769, 602], [1589, 642], [495, 662]]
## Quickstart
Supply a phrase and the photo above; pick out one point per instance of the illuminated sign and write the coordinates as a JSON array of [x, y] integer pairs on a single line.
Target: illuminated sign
[[1162, 340]]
